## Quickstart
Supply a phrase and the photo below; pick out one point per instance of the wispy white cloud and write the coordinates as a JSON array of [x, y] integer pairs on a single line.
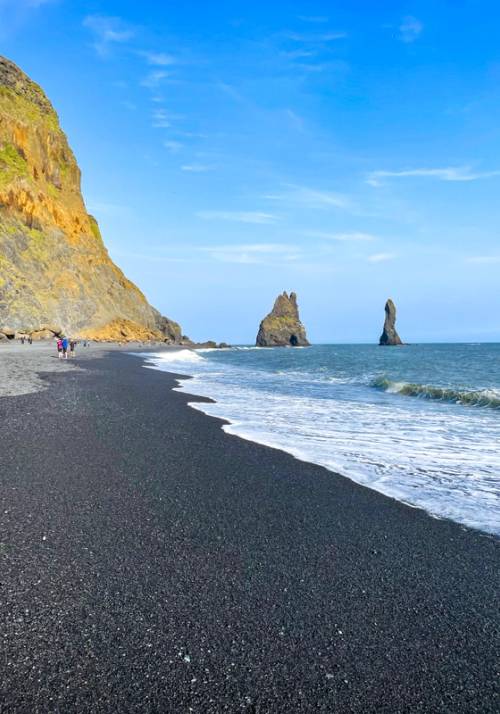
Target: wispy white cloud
[[258, 247], [102, 208], [354, 236], [312, 198], [299, 54], [255, 253], [155, 78], [257, 217], [107, 32], [337, 66], [231, 92], [159, 59], [381, 257], [191, 134], [196, 168], [311, 53], [484, 259], [162, 119], [451, 173], [295, 120], [410, 29], [314, 38], [173, 146]]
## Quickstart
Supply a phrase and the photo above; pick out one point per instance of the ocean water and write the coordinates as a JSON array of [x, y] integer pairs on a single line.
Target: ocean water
[[420, 423]]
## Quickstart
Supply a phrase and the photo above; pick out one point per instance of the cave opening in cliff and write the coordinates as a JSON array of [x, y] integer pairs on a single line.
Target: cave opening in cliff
[[294, 340]]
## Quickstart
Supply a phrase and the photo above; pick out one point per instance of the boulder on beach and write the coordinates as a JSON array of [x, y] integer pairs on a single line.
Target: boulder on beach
[[42, 335], [282, 326], [390, 337]]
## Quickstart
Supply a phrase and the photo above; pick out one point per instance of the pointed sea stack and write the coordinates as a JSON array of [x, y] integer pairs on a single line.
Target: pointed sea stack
[[389, 336], [282, 327]]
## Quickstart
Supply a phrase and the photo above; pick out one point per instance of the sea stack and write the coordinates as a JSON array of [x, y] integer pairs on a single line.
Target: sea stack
[[389, 336], [55, 272], [282, 327]]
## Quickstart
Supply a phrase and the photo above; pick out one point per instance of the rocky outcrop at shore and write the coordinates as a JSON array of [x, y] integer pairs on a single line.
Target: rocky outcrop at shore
[[282, 327], [54, 267], [208, 345], [389, 336], [44, 332]]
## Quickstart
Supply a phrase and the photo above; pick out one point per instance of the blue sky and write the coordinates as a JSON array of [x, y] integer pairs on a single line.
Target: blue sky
[[349, 151]]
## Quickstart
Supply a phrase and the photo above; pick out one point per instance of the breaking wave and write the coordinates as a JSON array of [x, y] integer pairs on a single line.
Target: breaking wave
[[175, 355], [479, 398]]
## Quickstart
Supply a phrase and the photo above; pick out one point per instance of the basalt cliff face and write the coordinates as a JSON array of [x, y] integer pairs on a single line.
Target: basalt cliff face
[[282, 327], [389, 336], [55, 273]]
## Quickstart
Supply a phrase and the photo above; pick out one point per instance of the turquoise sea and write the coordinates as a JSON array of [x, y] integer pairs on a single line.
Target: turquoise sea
[[420, 423]]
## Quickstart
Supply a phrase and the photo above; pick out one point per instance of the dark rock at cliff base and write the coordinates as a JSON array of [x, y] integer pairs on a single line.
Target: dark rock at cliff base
[[282, 327], [389, 336]]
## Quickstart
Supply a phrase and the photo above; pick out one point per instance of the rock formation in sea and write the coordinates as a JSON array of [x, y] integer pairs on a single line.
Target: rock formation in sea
[[282, 327], [389, 336], [55, 273]]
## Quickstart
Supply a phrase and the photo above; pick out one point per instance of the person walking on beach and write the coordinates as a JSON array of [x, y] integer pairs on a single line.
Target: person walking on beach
[[72, 348], [65, 347], [59, 348]]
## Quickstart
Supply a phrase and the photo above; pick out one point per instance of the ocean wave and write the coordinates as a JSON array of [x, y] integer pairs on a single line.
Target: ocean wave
[[473, 398], [448, 466], [244, 348], [175, 355]]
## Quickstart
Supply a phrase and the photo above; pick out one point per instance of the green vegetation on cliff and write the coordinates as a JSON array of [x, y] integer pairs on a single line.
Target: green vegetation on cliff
[[12, 164], [27, 103]]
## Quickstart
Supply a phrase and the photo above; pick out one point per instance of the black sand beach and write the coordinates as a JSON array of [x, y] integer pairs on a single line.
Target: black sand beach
[[151, 563]]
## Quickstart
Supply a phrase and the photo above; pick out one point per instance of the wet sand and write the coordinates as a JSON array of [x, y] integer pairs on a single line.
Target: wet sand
[[149, 562]]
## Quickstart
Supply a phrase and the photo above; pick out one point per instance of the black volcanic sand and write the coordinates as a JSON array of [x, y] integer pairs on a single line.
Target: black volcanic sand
[[151, 563]]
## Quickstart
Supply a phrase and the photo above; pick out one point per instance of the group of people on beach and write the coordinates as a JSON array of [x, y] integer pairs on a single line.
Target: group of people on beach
[[63, 344]]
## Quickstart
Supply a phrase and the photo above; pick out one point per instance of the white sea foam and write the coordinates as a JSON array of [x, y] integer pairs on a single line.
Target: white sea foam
[[433, 455], [249, 349], [175, 356]]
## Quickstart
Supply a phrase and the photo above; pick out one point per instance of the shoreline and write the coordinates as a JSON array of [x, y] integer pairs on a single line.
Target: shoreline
[[22, 364], [196, 401], [231, 575], [251, 424]]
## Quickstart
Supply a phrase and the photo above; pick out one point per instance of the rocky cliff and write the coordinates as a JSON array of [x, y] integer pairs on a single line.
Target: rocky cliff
[[389, 336], [282, 327], [55, 273]]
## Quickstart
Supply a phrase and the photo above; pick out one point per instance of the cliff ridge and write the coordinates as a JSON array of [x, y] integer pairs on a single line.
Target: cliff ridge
[[54, 267]]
